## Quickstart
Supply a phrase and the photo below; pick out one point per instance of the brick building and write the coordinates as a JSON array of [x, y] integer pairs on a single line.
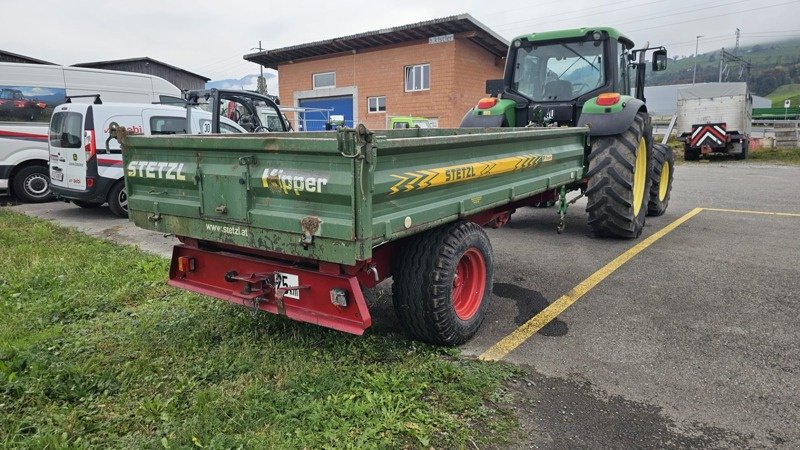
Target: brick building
[[435, 69]]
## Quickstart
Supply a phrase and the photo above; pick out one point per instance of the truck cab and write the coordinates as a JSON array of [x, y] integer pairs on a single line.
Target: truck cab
[[550, 76]]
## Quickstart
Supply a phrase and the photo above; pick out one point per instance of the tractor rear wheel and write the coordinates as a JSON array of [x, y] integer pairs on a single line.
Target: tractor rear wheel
[[443, 283], [619, 180], [661, 179]]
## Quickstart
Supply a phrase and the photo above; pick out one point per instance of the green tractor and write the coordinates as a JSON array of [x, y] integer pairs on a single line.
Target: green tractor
[[582, 77]]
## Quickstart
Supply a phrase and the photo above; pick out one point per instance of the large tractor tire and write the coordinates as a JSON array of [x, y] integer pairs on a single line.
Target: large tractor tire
[[443, 283], [619, 180], [661, 179]]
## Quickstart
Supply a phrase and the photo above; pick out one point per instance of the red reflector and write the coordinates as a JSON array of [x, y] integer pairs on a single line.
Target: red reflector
[[89, 182], [608, 99], [486, 103], [185, 264]]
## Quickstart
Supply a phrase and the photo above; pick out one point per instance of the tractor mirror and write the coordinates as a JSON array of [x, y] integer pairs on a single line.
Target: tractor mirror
[[659, 60], [494, 87]]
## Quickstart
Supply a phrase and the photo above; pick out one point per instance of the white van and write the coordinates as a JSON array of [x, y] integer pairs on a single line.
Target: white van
[[28, 95], [86, 163]]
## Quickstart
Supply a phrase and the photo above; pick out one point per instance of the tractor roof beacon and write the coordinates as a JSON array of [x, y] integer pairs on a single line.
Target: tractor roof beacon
[[582, 77]]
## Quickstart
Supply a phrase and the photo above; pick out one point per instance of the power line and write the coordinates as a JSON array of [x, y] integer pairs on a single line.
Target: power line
[[715, 16]]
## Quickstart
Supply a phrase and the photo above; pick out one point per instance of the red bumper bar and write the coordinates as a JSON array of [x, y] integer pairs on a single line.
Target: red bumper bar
[[306, 295]]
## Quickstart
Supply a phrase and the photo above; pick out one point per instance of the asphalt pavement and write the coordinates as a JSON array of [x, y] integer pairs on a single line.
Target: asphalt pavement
[[693, 342]]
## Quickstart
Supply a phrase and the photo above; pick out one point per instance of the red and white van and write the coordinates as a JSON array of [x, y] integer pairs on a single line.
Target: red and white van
[[86, 165]]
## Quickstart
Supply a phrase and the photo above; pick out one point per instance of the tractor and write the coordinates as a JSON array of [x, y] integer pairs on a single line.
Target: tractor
[[582, 77]]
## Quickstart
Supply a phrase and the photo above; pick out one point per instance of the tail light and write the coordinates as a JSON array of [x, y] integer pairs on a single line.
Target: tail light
[[487, 103], [186, 264], [89, 144], [608, 99]]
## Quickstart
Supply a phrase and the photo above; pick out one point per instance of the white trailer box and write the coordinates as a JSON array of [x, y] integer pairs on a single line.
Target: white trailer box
[[729, 103], [714, 118]]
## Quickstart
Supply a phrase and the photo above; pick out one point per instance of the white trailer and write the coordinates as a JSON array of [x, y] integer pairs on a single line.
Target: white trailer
[[714, 118]]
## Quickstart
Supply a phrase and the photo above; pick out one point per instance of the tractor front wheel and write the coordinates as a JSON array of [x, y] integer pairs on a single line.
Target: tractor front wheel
[[443, 283], [619, 181], [661, 179]]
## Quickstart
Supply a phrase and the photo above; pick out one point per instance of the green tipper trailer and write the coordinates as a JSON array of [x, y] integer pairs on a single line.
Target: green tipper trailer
[[299, 223]]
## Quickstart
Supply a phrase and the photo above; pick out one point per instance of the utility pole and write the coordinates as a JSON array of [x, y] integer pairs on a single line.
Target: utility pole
[[696, 46], [736, 50], [261, 87]]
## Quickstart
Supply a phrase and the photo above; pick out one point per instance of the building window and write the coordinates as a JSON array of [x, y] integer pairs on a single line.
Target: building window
[[418, 78], [324, 80], [376, 104]]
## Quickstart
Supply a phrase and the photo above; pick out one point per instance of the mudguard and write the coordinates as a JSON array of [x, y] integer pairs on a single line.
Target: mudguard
[[610, 120], [502, 114]]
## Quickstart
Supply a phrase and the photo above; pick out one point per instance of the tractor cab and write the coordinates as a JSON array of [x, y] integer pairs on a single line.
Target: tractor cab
[[550, 76]]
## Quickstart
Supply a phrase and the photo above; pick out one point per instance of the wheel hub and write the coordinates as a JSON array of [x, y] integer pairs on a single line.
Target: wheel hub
[[36, 185], [469, 284], [639, 176], [663, 183]]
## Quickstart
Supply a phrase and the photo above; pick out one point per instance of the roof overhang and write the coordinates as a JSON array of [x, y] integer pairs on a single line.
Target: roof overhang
[[463, 25]]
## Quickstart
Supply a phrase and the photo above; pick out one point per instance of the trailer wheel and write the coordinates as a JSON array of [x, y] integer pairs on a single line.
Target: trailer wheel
[[443, 283], [690, 154], [619, 181], [118, 199], [661, 179], [743, 153]]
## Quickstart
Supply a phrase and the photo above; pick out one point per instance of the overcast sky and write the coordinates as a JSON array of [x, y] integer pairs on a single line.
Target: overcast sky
[[210, 37]]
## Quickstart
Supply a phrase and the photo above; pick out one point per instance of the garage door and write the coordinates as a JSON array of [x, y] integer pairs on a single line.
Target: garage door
[[315, 121]]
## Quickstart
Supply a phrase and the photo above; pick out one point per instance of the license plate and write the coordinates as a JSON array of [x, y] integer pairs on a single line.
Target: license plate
[[284, 280], [56, 176]]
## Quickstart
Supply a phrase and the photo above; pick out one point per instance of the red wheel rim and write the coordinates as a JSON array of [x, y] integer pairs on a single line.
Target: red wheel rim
[[469, 284]]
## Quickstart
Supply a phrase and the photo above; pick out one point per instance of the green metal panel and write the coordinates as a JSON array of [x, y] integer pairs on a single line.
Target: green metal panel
[[430, 179], [575, 33], [503, 106], [341, 192]]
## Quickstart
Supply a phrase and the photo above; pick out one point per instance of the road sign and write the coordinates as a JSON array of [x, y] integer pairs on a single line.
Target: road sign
[[787, 103]]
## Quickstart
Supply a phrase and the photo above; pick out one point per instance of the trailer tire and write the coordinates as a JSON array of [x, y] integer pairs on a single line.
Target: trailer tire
[[443, 283], [661, 183], [743, 153], [619, 180], [690, 154], [118, 200]]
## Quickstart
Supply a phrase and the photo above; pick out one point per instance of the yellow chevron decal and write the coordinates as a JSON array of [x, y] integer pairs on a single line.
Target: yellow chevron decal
[[396, 187], [441, 176]]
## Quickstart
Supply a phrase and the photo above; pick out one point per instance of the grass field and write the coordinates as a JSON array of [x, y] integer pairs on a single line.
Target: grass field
[[785, 92], [97, 352]]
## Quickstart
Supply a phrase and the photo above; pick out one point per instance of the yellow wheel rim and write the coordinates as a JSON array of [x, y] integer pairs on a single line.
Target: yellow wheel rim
[[639, 176], [663, 184]]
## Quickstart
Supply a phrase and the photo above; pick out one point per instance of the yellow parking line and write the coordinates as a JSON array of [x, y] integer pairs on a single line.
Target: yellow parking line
[[506, 345], [744, 211]]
